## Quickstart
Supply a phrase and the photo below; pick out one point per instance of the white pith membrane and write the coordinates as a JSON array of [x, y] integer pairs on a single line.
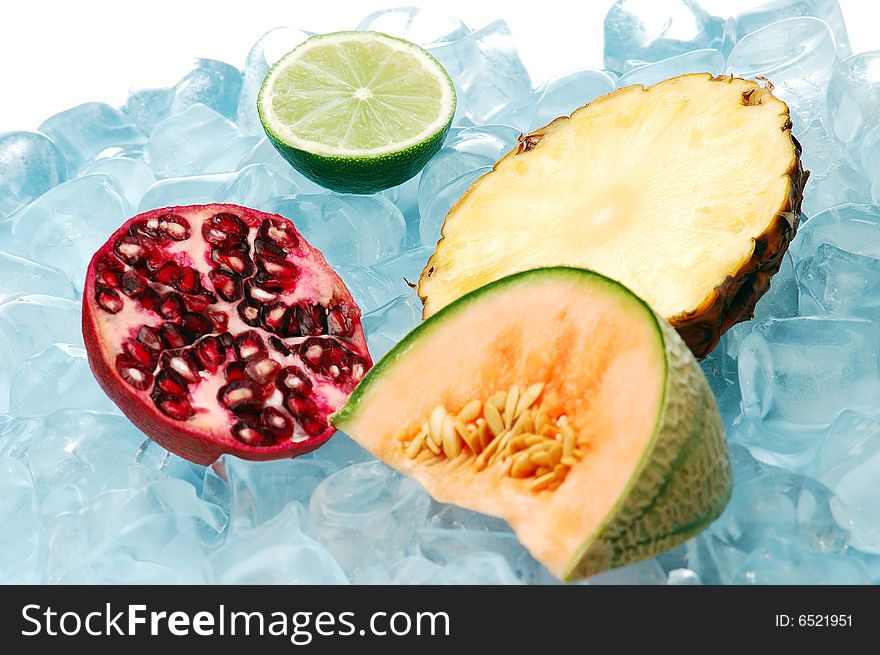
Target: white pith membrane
[[301, 287], [663, 189], [356, 94]]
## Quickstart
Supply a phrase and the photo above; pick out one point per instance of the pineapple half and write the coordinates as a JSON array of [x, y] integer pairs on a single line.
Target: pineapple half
[[688, 192]]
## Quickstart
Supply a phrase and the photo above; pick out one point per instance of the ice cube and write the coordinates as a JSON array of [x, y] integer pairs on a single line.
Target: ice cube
[[263, 152], [84, 131], [435, 212], [834, 180], [212, 83], [851, 227], [486, 70], [342, 451], [74, 447], [798, 56], [769, 12], [453, 517], [134, 175], [365, 512], [253, 186], [476, 568], [349, 230], [403, 270], [804, 371], [707, 60], [259, 491], [68, 223], [19, 275], [387, 325], [276, 552], [651, 30], [646, 572], [30, 165], [683, 577], [775, 562], [848, 462], [56, 378], [21, 537], [146, 107], [854, 97], [834, 281], [559, 96], [370, 289], [446, 166], [424, 26], [188, 143], [273, 45]]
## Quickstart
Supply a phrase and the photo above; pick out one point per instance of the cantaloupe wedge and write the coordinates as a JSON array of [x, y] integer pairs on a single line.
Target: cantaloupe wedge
[[559, 401]]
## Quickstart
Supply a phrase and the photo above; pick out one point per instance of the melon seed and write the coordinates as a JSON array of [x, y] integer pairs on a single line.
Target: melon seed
[[510, 404], [471, 411], [493, 419]]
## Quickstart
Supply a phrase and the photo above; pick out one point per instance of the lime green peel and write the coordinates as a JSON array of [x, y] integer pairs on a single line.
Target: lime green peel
[[357, 112]]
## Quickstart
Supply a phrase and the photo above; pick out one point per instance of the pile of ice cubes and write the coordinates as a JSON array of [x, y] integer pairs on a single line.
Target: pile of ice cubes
[[84, 499]]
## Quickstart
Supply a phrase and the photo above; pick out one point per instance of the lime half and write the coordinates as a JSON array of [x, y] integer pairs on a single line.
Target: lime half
[[357, 112]]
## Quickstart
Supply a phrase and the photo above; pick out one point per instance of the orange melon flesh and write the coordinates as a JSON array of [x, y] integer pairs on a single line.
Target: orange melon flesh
[[602, 356]]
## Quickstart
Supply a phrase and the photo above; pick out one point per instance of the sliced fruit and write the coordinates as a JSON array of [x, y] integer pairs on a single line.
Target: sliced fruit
[[687, 192], [218, 329], [357, 112], [587, 425]]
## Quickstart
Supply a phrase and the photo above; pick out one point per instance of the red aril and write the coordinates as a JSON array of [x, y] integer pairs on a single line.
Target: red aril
[[219, 329]]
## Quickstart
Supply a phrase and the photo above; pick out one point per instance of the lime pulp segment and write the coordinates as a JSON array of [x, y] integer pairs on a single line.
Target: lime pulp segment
[[356, 94]]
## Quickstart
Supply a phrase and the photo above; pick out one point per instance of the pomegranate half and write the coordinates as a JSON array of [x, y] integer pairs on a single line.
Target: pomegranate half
[[219, 329]]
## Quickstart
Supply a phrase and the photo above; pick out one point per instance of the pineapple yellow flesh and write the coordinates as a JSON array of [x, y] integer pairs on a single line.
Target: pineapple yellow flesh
[[665, 189]]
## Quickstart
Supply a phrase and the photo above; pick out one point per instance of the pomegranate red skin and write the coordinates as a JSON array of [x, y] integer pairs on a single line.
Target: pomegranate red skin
[[196, 445]]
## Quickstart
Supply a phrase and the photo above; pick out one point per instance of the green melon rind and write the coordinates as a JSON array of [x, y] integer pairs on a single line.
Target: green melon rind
[[684, 478], [360, 174], [683, 481]]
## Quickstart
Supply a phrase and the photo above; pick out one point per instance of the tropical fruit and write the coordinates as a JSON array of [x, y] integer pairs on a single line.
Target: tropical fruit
[[559, 401], [688, 192], [357, 112], [218, 329]]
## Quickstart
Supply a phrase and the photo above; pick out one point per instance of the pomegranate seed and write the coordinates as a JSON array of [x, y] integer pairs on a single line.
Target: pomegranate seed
[[133, 373], [148, 228], [177, 407], [310, 319], [138, 352], [249, 344], [226, 285], [235, 372], [257, 294], [174, 336], [156, 259], [293, 379], [224, 229], [149, 300], [234, 259], [249, 313], [278, 345], [108, 272], [239, 396], [275, 423], [274, 317], [168, 273], [188, 281], [264, 247], [338, 324], [299, 406], [210, 353], [149, 336], [261, 370], [220, 321], [108, 300], [247, 433], [133, 285], [276, 267], [170, 382], [184, 366], [274, 284], [176, 227], [280, 232], [197, 324], [131, 250], [313, 426], [171, 305]]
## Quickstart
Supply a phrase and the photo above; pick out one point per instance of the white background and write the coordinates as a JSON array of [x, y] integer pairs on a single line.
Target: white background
[[54, 55]]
